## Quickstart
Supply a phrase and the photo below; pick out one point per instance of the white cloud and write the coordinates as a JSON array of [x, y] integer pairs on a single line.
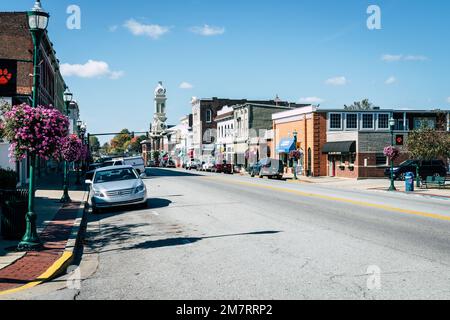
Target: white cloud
[[391, 80], [400, 57], [416, 58], [337, 81], [153, 31], [311, 100], [186, 85], [391, 57], [207, 30], [91, 69]]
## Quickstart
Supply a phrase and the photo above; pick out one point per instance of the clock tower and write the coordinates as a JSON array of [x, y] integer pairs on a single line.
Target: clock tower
[[159, 126]]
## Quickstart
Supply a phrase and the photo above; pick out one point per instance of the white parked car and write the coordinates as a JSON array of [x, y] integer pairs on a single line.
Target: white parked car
[[116, 186], [209, 166]]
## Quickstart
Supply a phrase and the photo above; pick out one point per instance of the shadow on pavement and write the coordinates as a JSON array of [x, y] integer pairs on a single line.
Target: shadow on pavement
[[153, 173], [171, 242]]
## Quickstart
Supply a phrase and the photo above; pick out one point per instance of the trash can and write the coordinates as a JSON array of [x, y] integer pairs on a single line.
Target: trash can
[[409, 182]]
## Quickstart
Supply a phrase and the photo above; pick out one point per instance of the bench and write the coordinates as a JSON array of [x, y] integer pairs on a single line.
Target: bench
[[439, 182]]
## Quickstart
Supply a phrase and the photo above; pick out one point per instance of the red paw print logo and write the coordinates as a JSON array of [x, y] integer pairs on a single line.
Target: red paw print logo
[[5, 76]]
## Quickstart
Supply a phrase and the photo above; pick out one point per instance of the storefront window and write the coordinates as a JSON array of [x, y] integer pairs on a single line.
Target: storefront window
[[352, 121], [335, 121], [367, 121]]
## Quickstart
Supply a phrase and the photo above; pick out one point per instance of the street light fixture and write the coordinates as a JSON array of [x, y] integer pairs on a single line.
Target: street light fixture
[[37, 23], [68, 96], [392, 126]]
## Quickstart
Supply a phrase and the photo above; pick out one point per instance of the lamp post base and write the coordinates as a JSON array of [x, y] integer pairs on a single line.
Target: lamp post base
[[65, 198], [29, 246], [392, 188], [30, 241]]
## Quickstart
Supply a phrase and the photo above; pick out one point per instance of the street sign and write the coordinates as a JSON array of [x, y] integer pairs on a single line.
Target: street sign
[[8, 77]]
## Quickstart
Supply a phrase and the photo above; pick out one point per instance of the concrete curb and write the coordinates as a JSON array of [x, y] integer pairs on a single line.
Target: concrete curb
[[60, 266]]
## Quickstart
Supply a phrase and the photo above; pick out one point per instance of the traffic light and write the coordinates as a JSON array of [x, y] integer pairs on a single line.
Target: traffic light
[[400, 140]]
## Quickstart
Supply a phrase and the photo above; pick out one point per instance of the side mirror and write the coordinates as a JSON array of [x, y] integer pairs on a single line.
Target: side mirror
[[88, 181], [143, 176]]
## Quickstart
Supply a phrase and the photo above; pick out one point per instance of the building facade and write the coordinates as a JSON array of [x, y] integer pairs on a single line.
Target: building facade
[[346, 143], [204, 126], [225, 135], [252, 121]]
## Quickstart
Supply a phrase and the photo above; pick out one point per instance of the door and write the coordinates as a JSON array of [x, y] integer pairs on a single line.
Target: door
[[332, 166], [309, 162]]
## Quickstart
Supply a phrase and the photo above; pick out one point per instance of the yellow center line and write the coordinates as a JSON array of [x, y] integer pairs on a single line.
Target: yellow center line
[[337, 199]]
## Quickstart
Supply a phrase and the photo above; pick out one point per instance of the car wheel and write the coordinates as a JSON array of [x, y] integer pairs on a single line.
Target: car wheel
[[401, 177], [95, 210], [261, 175]]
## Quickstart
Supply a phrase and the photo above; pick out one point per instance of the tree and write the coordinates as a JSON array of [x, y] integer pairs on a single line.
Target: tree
[[118, 142], [428, 144], [94, 143], [360, 105]]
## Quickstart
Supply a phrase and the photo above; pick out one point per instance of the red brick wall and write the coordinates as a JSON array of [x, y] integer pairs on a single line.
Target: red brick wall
[[16, 44]]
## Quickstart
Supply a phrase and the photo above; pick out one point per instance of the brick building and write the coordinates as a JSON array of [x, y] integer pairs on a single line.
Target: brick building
[[16, 63], [310, 126], [344, 143], [204, 127]]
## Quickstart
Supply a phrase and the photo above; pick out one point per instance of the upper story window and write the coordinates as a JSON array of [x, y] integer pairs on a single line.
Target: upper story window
[[367, 121], [208, 116], [335, 121], [352, 121], [383, 121]]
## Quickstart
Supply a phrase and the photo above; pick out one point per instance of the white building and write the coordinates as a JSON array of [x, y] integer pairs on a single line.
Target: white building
[[225, 134]]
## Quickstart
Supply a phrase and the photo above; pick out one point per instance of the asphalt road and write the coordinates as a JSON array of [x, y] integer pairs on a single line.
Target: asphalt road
[[230, 237]]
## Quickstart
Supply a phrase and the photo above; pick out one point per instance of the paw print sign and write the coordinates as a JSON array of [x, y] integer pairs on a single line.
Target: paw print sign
[[5, 77], [8, 77]]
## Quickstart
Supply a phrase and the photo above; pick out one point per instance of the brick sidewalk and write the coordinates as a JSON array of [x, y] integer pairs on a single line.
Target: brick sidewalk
[[34, 264]]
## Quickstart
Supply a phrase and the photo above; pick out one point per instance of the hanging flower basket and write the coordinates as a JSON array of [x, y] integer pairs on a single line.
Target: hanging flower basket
[[296, 155], [72, 148], [38, 131], [391, 152]]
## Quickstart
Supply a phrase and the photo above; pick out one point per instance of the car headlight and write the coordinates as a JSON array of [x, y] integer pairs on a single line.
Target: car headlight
[[99, 194], [139, 189]]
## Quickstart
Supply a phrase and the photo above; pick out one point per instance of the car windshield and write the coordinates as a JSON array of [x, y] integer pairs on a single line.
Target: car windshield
[[115, 175]]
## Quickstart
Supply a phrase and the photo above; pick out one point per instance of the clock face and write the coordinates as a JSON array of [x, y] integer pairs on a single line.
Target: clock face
[[161, 91]]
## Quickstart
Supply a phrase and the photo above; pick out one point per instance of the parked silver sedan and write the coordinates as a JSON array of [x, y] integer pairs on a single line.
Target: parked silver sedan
[[116, 186]]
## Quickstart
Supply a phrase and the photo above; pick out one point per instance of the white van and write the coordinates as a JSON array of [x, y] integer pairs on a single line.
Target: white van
[[136, 162]]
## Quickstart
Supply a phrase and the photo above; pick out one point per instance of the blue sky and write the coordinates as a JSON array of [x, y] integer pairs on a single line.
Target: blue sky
[[320, 51]]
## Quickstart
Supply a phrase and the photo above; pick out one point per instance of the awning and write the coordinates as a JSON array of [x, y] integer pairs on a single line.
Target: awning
[[339, 147], [286, 145]]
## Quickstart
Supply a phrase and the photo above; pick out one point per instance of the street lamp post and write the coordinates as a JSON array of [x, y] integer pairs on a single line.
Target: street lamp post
[[295, 160], [392, 126], [68, 96], [37, 23]]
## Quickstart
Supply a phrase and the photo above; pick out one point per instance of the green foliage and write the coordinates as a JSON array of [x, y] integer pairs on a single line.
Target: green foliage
[[429, 144], [94, 143], [360, 105], [156, 155], [8, 179]]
